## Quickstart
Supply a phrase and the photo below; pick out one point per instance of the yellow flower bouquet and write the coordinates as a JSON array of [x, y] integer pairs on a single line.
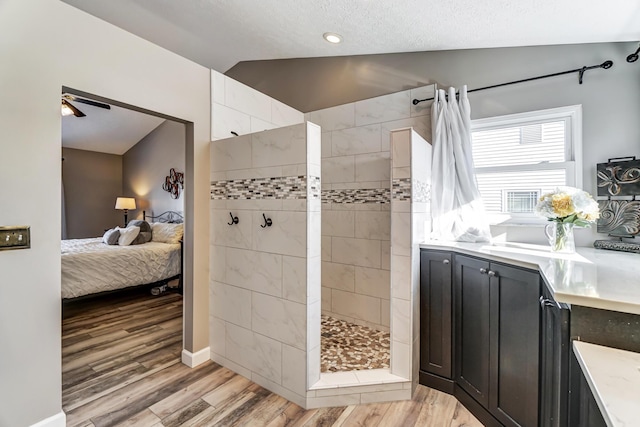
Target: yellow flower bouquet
[[566, 207]]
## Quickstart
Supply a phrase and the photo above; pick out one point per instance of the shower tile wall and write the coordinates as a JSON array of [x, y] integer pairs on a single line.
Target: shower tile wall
[[355, 206], [265, 284], [238, 108], [410, 225]]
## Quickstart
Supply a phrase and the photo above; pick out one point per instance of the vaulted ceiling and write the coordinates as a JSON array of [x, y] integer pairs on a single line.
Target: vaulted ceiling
[[220, 33]]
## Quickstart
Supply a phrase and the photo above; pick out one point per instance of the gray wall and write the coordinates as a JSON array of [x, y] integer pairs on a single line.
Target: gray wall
[[146, 165], [610, 98], [92, 182]]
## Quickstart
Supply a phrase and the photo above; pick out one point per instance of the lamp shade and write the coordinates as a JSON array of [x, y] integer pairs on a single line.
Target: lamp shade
[[125, 203]]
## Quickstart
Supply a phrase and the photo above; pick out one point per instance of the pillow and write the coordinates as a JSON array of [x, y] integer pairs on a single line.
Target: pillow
[[164, 232], [128, 235], [145, 231], [111, 236]]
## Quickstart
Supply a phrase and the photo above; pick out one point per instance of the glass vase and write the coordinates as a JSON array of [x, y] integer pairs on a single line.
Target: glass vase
[[560, 237]]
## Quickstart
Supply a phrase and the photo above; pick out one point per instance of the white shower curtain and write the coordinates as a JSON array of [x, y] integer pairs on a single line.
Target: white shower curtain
[[456, 207]]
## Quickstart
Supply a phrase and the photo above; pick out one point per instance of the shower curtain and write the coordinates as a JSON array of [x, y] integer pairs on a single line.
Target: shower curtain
[[456, 207]]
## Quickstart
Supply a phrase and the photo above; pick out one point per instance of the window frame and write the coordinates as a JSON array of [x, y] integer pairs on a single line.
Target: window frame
[[572, 116]]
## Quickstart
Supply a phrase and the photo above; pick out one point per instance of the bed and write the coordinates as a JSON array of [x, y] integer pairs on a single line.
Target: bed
[[90, 266]]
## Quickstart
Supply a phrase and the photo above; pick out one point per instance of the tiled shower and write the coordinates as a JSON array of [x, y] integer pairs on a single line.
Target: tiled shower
[[267, 300], [356, 224]]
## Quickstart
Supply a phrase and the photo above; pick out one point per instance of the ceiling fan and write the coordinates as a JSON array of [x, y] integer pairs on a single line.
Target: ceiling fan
[[68, 109]]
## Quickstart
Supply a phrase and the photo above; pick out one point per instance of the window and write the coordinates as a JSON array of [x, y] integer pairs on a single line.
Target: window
[[520, 201], [522, 156]]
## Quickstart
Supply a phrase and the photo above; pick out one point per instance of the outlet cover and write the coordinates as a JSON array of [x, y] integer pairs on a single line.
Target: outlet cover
[[15, 237]]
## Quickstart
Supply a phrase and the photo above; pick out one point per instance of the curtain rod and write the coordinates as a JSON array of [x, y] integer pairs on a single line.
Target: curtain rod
[[606, 65]]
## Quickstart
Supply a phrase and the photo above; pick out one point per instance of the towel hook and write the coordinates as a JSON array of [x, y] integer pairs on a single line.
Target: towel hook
[[267, 221], [234, 219]]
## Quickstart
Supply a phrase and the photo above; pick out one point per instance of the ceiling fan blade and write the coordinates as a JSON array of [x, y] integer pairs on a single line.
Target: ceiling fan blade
[[76, 112], [93, 103], [88, 102]]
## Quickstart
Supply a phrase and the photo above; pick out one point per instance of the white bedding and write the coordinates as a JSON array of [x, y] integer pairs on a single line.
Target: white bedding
[[90, 266]]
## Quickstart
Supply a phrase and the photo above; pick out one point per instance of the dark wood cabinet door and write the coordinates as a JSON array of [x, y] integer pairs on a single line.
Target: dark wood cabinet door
[[584, 410], [472, 314], [515, 344], [436, 313], [554, 361]]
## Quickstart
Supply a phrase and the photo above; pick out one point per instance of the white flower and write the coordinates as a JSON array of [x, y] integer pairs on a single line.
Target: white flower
[[568, 204]]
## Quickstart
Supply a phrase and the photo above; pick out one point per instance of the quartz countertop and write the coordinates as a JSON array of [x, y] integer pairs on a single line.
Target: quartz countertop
[[614, 378], [589, 277]]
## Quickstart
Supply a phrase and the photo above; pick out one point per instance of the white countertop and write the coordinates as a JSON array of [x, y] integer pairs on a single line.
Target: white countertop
[[590, 277], [614, 378]]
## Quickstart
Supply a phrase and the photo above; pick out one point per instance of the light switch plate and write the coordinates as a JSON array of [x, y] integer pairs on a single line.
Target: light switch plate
[[15, 237]]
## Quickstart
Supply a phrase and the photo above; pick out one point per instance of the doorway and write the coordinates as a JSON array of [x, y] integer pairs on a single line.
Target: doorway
[[110, 339]]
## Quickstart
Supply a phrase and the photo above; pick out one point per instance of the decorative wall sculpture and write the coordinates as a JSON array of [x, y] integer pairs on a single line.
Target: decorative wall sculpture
[[619, 181], [619, 218], [173, 183], [619, 178]]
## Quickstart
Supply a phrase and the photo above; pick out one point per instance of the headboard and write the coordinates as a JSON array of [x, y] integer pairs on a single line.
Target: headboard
[[168, 216]]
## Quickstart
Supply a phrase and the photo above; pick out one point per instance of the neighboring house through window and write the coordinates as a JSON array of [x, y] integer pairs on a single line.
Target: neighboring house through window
[[519, 157]]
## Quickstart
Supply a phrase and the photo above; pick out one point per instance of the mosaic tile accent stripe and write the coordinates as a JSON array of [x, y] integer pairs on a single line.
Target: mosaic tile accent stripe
[[401, 189], [284, 187], [356, 195]]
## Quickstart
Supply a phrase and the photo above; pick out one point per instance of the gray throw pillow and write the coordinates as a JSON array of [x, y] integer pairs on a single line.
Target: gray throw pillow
[[145, 231], [111, 237]]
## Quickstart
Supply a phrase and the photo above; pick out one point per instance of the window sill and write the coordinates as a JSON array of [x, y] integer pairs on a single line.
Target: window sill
[[507, 220]]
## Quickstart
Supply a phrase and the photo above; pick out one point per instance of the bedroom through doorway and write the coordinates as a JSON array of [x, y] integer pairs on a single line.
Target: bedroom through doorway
[[122, 247]]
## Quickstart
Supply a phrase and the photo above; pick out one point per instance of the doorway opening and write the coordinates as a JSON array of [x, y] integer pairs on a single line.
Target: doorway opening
[[124, 173]]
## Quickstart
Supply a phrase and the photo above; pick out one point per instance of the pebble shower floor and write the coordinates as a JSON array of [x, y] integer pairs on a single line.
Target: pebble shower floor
[[350, 347]]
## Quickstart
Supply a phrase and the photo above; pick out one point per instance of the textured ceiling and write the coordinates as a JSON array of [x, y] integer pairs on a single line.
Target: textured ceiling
[[220, 33], [111, 131]]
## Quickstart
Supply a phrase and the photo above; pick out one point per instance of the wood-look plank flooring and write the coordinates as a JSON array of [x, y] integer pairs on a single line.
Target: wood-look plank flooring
[[121, 367]]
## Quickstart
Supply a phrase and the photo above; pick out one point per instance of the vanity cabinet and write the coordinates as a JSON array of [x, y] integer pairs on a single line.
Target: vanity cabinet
[[497, 314], [584, 410], [480, 335], [436, 320]]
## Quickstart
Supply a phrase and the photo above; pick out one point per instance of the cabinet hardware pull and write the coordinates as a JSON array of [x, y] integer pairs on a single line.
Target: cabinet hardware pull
[[492, 273], [445, 261], [483, 271], [545, 302]]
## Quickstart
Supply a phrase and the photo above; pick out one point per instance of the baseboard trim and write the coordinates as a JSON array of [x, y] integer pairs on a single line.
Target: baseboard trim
[[58, 420], [194, 359]]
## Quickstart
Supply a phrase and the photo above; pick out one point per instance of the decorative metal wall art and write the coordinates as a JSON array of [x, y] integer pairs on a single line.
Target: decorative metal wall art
[[619, 218], [173, 183], [621, 178]]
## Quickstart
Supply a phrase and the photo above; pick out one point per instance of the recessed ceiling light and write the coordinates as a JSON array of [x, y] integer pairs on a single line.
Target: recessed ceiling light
[[332, 37]]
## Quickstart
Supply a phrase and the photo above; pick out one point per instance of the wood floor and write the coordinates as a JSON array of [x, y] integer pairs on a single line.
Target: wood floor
[[121, 366]]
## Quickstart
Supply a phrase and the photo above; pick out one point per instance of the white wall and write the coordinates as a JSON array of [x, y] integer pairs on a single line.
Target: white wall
[[44, 45], [236, 107]]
